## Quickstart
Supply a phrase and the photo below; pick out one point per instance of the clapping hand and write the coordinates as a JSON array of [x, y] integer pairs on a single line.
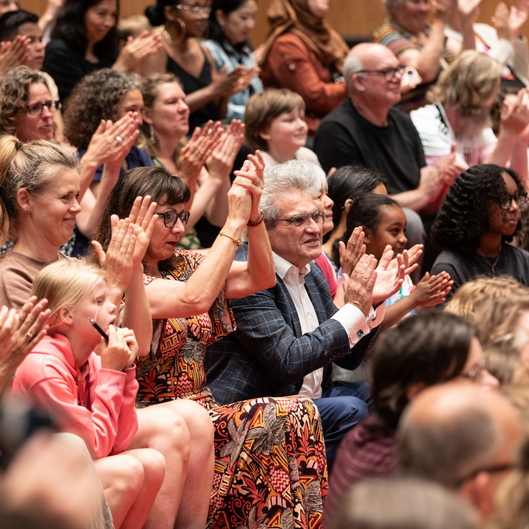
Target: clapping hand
[[358, 289], [19, 333], [198, 149], [351, 254], [223, 155], [390, 279]]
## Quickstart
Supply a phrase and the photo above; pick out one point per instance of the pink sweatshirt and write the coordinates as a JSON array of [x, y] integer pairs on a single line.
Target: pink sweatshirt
[[47, 378]]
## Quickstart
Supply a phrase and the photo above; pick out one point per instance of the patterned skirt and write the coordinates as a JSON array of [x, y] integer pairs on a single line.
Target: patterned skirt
[[270, 466]]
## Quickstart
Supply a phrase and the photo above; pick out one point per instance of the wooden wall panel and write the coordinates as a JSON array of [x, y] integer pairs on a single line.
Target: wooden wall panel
[[348, 17]]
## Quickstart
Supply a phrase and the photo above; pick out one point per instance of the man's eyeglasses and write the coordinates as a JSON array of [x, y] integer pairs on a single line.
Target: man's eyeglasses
[[195, 9], [303, 219], [37, 108], [518, 198], [170, 218], [388, 73]]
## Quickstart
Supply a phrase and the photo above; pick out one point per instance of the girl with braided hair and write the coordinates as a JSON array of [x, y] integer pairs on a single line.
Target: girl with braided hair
[[480, 215]]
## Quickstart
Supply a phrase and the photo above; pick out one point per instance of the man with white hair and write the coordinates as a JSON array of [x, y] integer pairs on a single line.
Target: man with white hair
[[287, 336]]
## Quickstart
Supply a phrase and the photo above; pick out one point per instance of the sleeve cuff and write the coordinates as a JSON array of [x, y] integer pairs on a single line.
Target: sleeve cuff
[[353, 321], [376, 317]]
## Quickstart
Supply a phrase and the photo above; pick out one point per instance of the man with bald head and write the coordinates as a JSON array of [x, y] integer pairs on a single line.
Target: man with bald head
[[460, 436], [366, 130]]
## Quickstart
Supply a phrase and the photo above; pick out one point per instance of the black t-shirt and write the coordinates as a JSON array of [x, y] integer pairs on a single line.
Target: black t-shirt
[[68, 67], [462, 268], [344, 137]]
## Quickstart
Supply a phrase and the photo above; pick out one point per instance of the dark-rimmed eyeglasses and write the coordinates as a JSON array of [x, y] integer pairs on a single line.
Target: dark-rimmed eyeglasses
[[388, 73], [194, 9], [37, 108], [518, 198], [303, 219], [170, 218]]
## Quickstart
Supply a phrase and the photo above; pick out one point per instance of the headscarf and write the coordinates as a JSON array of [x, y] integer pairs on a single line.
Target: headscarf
[[293, 16]]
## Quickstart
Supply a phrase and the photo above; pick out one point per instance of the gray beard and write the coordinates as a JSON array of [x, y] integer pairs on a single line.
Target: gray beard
[[469, 127]]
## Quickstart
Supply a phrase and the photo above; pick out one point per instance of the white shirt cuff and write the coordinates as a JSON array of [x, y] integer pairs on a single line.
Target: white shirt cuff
[[353, 321], [376, 317]]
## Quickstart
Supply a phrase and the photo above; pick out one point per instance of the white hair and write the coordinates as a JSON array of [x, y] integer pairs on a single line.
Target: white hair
[[389, 5], [288, 177], [351, 65]]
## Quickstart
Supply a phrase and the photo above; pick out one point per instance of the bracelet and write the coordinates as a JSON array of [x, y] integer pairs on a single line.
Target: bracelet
[[238, 242], [253, 223]]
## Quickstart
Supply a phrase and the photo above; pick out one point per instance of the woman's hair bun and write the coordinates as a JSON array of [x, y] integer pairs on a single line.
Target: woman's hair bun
[[155, 15]]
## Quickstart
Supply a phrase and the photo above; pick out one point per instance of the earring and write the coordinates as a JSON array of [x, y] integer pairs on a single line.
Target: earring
[[153, 137], [167, 37], [29, 210]]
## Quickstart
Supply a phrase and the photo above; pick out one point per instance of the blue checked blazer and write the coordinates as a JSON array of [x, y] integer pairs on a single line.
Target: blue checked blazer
[[268, 355]]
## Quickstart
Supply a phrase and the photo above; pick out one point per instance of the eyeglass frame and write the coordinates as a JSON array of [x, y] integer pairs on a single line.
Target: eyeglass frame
[[183, 220], [385, 71], [52, 106], [304, 217], [194, 9], [518, 198]]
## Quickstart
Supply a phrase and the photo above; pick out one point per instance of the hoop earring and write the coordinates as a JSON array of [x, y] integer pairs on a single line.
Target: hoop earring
[[152, 136], [167, 37]]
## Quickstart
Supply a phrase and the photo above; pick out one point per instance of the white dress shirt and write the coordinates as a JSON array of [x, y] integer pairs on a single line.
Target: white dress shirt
[[352, 319]]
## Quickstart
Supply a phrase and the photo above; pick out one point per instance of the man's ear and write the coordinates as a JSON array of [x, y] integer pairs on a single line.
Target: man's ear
[[477, 491], [25, 200], [358, 83]]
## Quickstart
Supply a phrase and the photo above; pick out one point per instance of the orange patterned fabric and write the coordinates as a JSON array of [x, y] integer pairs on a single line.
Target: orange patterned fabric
[[270, 466]]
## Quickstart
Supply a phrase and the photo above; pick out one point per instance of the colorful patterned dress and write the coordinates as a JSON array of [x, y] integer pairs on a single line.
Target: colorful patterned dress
[[270, 467]]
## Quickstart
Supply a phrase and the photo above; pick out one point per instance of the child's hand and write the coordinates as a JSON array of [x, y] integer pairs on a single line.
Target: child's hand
[[432, 290], [117, 353], [130, 340]]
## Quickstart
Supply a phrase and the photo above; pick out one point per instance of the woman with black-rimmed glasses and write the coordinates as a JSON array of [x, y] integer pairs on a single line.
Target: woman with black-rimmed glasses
[[479, 217], [26, 106], [270, 468]]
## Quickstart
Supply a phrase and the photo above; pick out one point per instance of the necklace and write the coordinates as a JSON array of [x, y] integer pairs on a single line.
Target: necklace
[[492, 265]]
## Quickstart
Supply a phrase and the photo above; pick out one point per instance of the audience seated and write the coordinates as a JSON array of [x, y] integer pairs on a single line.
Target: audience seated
[[84, 39], [384, 223], [255, 441], [288, 340], [366, 130], [420, 352], [287, 334], [460, 115], [230, 23], [347, 184], [207, 90], [461, 437], [512, 496], [164, 128], [275, 123], [105, 95], [304, 54], [504, 42], [479, 216], [417, 43], [92, 395], [402, 502]]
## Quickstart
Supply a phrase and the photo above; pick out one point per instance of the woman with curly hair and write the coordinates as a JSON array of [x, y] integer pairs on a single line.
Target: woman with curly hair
[[26, 106], [85, 39], [105, 95], [480, 215]]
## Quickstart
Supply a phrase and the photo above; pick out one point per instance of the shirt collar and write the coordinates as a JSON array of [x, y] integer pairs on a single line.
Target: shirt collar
[[283, 267]]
